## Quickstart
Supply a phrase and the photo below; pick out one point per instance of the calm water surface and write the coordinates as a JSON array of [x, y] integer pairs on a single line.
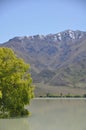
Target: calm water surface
[[51, 114]]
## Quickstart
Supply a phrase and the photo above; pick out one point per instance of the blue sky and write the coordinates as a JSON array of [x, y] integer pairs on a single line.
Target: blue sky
[[31, 17]]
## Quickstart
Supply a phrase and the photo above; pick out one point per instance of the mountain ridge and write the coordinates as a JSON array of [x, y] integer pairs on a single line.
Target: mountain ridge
[[77, 34]]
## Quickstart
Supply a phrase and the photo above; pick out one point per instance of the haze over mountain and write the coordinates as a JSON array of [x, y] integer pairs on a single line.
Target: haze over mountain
[[56, 59]]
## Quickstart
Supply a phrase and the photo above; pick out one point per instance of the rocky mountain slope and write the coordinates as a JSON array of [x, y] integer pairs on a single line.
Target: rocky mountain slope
[[55, 59]]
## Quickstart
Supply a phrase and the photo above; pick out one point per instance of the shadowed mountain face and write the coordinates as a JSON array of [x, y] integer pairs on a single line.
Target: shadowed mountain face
[[55, 59]]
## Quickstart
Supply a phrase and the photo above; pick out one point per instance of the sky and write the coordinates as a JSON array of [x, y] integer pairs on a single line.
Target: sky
[[32, 17]]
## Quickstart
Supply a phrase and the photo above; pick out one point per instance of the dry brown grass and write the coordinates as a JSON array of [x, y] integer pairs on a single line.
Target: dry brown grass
[[42, 90]]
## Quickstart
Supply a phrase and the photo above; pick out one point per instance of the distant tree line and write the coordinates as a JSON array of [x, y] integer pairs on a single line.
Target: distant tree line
[[64, 96]]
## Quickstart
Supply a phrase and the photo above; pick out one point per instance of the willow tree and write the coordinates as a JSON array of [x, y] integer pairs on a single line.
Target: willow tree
[[15, 84]]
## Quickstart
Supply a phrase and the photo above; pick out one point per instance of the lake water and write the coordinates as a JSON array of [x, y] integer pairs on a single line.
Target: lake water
[[51, 114]]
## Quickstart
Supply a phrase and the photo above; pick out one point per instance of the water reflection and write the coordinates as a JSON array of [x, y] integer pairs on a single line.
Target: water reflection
[[14, 124], [50, 114]]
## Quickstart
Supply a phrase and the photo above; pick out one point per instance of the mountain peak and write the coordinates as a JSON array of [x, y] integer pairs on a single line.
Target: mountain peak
[[72, 35]]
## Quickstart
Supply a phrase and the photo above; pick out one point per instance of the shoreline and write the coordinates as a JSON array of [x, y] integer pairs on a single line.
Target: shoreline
[[71, 98]]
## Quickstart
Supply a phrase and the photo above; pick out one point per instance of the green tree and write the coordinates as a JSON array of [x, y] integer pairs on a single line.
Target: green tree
[[15, 84]]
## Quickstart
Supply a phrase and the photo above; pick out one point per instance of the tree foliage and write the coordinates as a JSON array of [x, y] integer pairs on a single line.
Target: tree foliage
[[15, 84], [0, 94]]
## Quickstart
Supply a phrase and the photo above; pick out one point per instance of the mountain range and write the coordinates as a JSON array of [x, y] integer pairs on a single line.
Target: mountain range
[[58, 61]]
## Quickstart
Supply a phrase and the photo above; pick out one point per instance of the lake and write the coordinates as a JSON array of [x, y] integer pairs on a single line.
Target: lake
[[51, 114]]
